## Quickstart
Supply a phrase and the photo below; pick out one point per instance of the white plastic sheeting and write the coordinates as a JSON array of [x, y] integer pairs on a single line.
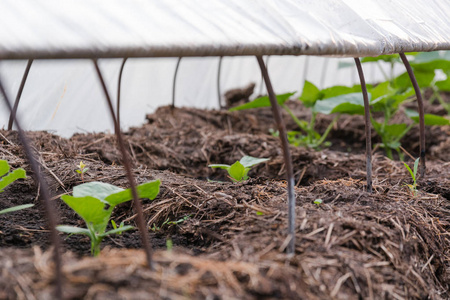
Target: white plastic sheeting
[[65, 96], [137, 28]]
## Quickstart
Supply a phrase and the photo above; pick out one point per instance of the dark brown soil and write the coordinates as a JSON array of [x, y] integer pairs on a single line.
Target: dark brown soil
[[390, 244]]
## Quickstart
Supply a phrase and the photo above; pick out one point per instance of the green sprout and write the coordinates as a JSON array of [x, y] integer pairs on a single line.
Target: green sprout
[[169, 245], [81, 170], [121, 226], [94, 203], [318, 202], [413, 187], [6, 178], [168, 222], [239, 170]]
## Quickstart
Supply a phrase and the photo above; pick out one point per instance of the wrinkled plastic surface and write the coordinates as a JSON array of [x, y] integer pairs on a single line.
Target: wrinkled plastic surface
[[137, 28]]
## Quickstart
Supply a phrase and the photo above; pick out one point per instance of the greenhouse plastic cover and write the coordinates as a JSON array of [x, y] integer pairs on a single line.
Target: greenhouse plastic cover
[[138, 28], [64, 96]]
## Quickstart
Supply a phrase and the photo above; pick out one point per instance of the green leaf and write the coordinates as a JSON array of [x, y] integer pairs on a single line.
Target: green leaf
[[338, 90], [99, 190], [381, 90], [249, 161], [410, 171], [11, 177], [444, 85], [385, 58], [430, 61], [4, 167], [15, 208], [310, 94], [390, 102], [237, 171], [263, 102], [117, 230], [73, 230], [114, 225], [91, 209], [350, 104], [148, 190], [430, 119], [424, 79]]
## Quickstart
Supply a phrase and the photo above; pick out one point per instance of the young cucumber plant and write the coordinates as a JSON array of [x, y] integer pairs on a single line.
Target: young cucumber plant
[[239, 170], [388, 96], [386, 99], [6, 178], [94, 203], [81, 170], [413, 187], [312, 97]]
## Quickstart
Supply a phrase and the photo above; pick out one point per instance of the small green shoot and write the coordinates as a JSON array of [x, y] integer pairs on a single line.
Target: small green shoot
[[114, 225], [259, 213], [169, 245], [94, 203], [318, 202], [168, 222], [413, 187], [7, 177], [81, 170], [239, 170]]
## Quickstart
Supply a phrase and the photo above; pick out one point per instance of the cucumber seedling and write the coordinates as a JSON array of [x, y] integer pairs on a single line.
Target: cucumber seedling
[[413, 187], [94, 203], [6, 178], [81, 170], [239, 170]]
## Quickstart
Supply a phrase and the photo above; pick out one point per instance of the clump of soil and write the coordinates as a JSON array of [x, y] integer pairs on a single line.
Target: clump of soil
[[231, 237]]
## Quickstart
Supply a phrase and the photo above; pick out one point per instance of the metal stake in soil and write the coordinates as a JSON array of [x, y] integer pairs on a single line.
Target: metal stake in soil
[[127, 165], [367, 125], [19, 94], [50, 212], [422, 167], [261, 87], [286, 153], [174, 83], [119, 85]]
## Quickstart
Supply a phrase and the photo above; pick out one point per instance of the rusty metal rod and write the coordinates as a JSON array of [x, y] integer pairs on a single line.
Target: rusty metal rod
[[119, 86], [50, 212], [19, 94], [261, 87], [286, 153], [422, 167], [127, 165], [367, 125], [174, 83], [219, 96]]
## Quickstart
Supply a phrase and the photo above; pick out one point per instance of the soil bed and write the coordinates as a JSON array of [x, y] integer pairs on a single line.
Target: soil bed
[[386, 245]]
